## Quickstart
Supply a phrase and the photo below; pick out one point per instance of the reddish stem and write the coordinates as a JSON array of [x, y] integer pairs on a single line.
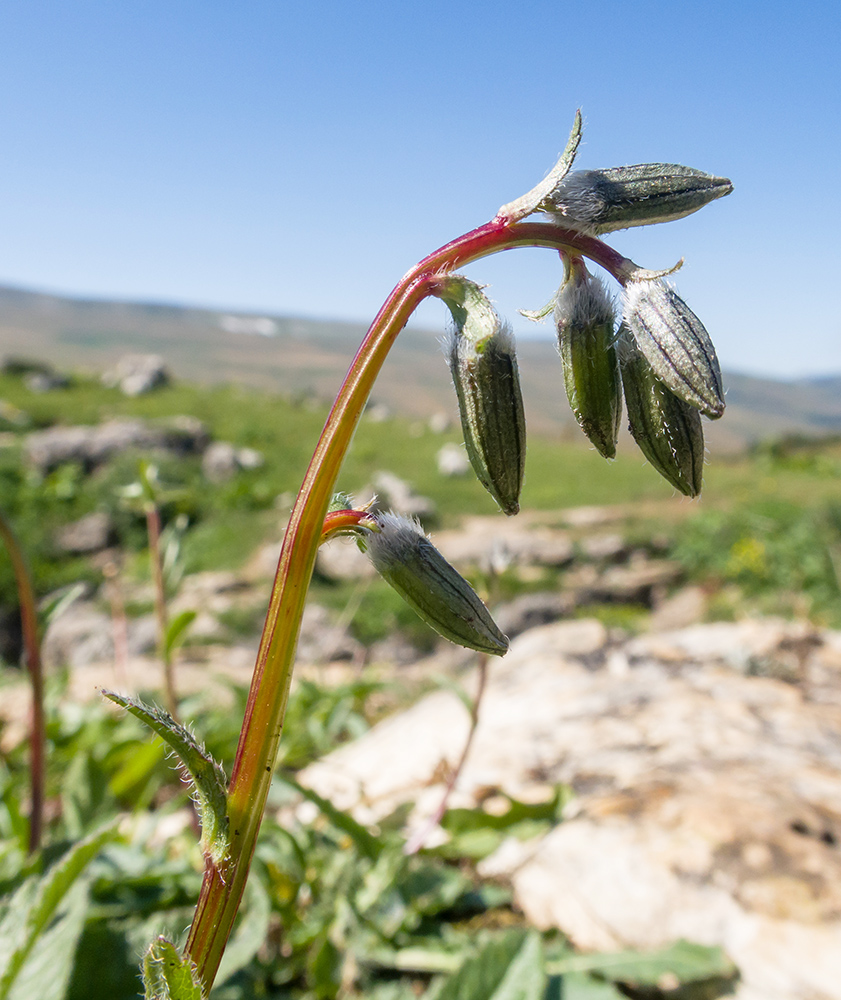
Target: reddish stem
[[32, 647], [222, 887]]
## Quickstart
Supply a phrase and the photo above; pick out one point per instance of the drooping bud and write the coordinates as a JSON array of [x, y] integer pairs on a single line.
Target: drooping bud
[[602, 201], [584, 319], [406, 559], [666, 428], [483, 363], [674, 342]]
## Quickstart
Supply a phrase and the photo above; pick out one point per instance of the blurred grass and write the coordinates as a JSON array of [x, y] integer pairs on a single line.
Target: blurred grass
[[791, 487]]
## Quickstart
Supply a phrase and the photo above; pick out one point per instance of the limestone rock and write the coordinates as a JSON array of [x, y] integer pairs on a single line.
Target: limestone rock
[[342, 559], [322, 640], [91, 533], [488, 540], [137, 374], [91, 446], [708, 799], [394, 493], [531, 610], [452, 461], [46, 381], [223, 460]]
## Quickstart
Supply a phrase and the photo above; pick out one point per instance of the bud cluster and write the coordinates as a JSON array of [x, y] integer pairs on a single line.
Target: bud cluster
[[657, 355], [660, 356]]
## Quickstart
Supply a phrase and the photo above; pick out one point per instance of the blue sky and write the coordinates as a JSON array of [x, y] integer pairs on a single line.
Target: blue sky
[[291, 157]]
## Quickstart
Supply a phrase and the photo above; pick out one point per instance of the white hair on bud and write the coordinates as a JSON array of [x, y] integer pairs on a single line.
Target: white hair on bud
[[584, 304], [458, 348], [579, 201], [396, 540]]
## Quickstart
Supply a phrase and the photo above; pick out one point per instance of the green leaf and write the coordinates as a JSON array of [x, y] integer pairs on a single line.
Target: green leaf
[[578, 986], [252, 929], [177, 630], [47, 970], [475, 833], [209, 780], [683, 961], [36, 903], [507, 968], [168, 976], [365, 841]]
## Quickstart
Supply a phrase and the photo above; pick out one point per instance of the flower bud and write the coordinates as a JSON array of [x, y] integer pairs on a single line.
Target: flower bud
[[674, 342], [584, 318], [601, 201], [667, 429], [409, 562], [483, 363]]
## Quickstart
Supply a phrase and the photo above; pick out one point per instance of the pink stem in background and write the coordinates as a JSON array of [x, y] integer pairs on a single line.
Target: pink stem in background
[[32, 647]]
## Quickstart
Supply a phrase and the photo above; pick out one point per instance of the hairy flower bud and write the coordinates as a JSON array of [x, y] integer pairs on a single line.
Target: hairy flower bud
[[601, 201], [406, 559], [674, 342], [666, 428], [483, 363], [584, 318]]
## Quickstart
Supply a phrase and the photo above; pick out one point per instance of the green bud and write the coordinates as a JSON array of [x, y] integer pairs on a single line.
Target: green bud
[[584, 318], [602, 201], [674, 342], [667, 429], [483, 363], [406, 559]]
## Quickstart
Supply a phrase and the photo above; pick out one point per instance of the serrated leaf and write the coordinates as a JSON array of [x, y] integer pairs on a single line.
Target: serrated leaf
[[508, 968], [209, 781], [36, 902], [168, 976]]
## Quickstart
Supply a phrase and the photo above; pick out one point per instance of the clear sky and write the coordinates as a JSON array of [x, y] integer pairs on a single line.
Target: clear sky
[[298, 157]]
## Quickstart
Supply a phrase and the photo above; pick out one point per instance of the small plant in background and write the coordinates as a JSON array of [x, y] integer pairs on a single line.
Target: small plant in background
[[148, 494], [659, 355]]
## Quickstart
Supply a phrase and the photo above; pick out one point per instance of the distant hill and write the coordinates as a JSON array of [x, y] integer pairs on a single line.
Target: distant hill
[[307, 356]]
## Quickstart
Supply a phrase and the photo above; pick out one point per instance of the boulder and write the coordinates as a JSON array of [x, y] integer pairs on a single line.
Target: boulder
[[452, 461], [394, 493], [91, 533], [137, 374], [223, 460], [342, 559], [491, 541], [91, 446], [707, 799], [530, 610], [46, 381]]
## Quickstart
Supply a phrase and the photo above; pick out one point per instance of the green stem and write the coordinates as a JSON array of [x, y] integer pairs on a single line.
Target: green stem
[[153, 529], [29, 628], [223, 886]]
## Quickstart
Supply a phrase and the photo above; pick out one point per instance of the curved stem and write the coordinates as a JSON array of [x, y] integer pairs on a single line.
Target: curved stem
[[29, 627], [223, 886]]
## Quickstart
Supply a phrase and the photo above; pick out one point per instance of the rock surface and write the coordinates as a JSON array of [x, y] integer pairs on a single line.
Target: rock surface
[[137, 374], [708, 798], [89, 534], [92, 445], [223, 460]]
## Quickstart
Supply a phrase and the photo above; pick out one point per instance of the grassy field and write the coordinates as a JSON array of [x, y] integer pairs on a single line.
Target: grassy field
[[768, 519]]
